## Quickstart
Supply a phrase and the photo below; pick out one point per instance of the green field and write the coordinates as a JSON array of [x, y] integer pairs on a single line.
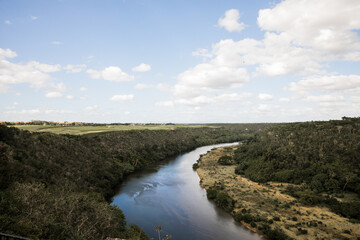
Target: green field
[[80, 130]]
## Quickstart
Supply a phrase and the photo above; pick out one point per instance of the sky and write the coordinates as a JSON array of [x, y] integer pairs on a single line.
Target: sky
[[179, 61]]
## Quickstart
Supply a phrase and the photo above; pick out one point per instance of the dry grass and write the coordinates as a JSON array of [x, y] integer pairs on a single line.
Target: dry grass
[[267, 201]]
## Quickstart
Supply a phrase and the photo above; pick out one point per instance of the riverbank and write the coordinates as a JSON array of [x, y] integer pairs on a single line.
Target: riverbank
[[260, 206]]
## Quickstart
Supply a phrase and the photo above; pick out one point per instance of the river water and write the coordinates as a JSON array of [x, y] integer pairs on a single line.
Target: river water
[[169, 195]]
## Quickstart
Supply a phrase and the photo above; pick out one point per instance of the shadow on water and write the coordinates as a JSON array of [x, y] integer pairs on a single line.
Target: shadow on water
[[169, 194]]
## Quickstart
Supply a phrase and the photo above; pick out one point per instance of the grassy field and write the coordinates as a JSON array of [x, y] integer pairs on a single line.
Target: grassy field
[[80, 130]]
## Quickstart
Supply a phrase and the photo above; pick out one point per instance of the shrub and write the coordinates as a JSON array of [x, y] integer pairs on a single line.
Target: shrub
[[276, 219], [195, 166], [225, 160], [224, 201], [211, 193]]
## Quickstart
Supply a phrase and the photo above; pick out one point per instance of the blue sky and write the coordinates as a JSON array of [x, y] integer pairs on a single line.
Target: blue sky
[[179, 61]]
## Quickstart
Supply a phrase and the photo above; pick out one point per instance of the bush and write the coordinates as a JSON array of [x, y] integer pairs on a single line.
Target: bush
[[302, 231], [225, 160], [276, 234], [211, 193], [224, 201], [276, 219], [239, 170], [195, 166]]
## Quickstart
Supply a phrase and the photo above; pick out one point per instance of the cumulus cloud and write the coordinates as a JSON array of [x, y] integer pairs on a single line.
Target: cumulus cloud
[[335, 83], [165, 104], [53, 94], [230, 21], [112, 73], [122, 98], [32, 72], [69, 97], [7, 53], [325, 25], [33, 17], [70, 68], [91, 108], [83, 89], [284, 100], [7, 22], [24, 111], [142, 68], [208, 77], [214, 99], [159, 86], [264, 97], [324, 98]]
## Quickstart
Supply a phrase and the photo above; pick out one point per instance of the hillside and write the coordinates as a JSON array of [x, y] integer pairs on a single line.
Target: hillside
[[322, 157], [56, 186], [294, 180]]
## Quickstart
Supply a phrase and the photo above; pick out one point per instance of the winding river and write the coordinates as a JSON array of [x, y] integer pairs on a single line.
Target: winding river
[[169, 194]]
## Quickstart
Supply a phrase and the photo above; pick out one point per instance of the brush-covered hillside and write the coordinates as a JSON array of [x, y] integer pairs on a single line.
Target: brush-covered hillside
[[58, 186], [322, 159]]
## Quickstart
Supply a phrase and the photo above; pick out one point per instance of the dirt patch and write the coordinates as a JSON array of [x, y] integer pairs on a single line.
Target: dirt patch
[[268, 202], [95, 131]]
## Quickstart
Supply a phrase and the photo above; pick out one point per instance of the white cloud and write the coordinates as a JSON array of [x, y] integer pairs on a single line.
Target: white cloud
[[69, 97], [33, 17], [53, 94], [355, 99], [24, 111], [214, 99], [230, 21], [202, 52], [32, 72], [324, 98], [111, 73], [208, 77], [265, 108], [7, 53], [126, 113], [324, 25], [284, 100], [142, 68], [336, 83], [70, 68], [159, 86], [7, 22], [56, 43], [83, 89], [122, 98], [143, 86], [264, 97], [38, 111], [91, 108], [165, 104]]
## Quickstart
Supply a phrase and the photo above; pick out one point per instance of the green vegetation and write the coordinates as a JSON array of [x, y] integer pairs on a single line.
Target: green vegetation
[[221, 198], [321, 158], [58, 186], [95, 128]]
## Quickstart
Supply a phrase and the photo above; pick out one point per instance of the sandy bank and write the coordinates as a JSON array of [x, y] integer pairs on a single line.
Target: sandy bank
[[267, 202]]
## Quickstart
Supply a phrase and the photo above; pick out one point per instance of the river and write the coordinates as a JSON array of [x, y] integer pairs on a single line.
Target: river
[[169, 194]]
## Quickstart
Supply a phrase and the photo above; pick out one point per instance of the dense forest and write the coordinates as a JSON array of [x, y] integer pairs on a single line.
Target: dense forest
[[59, 186], [320, 159]]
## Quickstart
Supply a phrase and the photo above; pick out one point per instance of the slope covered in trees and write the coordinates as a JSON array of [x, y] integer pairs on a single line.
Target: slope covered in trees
[[321, 158], [56, 186]]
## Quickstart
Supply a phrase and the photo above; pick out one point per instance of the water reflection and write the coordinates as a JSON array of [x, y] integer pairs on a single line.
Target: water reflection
[[170, 195]]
